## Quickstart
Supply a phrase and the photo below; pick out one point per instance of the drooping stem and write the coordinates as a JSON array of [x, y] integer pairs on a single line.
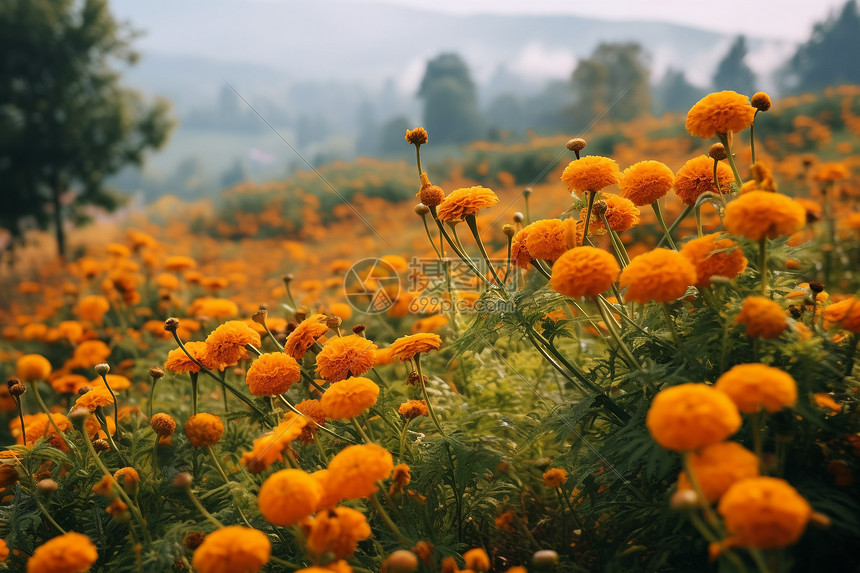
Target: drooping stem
[[668, 236], [202, 509], [48, 515]]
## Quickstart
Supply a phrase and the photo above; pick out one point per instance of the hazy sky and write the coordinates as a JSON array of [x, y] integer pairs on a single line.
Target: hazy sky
[[791, 19]]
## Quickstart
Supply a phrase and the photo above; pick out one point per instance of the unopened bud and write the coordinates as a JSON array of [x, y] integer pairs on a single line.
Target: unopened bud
[[12, 381], [816, 287], [183, 479], [760, 101], [527, 191], [171, 324], [46, 486], [717, 152], [17, 390], [102, 368], [576, 144], [359, 329], [101, 446], [156, 372], [518, 217], [260, 316], [545, 558], [333, 322], [79, 414], [509, 230], [401, 561], [421, 209], [684, 500]]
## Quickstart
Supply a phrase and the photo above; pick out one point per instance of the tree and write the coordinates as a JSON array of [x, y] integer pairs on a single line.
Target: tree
[[65, 120], [450, 100], [732, 72], [614, 80], [674, 93], [829, 56]]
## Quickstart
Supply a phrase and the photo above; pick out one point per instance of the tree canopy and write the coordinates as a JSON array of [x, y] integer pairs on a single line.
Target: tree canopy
[[732, 72], [614, 80], [450, 100], [66, 122]]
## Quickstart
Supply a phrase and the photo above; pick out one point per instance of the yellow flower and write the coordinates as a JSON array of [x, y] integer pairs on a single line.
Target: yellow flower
[[761, 214], [305, 335], [203, 429], [720, 112], [67, 553], [406, 347], [755, 386], [584, 271], [289, 495], [232, 549], [349, 398], [225, 346], [272, 373], [764, 512], [660, 275], [762, 317], [591, 173], [718, 466], [690, 416], [32, 367], [467, 201], [354, 471]]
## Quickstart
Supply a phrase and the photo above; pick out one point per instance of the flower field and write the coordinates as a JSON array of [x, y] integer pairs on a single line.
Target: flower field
[[644, 361]]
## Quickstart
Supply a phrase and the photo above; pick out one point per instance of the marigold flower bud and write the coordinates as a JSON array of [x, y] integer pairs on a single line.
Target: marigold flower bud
[[545, 558], [47, 486], [183, 479], [100, 445], [102, 368], [518, 217], [333, 322], [171, 324], [401, 561], [421, 209], [162, 424], [576, 144], [12, 381], [358, 329], [760, 101], [684, 500], [717, 151], [509, 230], [79, 413], [527, 191], [417, 136], [17, 390]]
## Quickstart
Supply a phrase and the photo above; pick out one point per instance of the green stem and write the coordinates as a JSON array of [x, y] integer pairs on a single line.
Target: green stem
[[47, 412], [473, 226], [360, 431], [698, 210], [725, 141], [430, 236], [151, 398], [592, 195], [418, 160], [426, 396], [631, 360], [115, 407], [202, 509], [666, 234], [374, 501], [47, 514], [752, 138], [670, 321], [194, 392], [676, 223], [217, 464], [762, 263], [319, 426], [755, 428]]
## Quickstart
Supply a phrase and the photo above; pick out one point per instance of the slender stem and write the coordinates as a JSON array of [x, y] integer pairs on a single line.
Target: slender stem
[[403, 434], [319, 426], [755, 428], [671, 322], [217, 464], [610, 324], [194, 392], [592, 195], [510, 263], [21, 419], [202, 509], [115, 407], [762, 263], [103, 423], [527, 215], [473, 226], [429, 236], [752, 138], [426, 396], [418, 159], [151, 398], [465, 258], [360, 431], [698, 210], [374, 501], [666, 234], [155, 454], [725, 141], [676, 223], [47, 514]]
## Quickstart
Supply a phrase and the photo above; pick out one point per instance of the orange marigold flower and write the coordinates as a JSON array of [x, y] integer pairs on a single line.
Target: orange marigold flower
[[824, 400], [93, 308], [845, 313], [720, 112], [40, 426], [762, 317], [178, 263], [417, 136], [712, 257], [4, 550], [431, 195], [337, 530], [330, 497], [225, 346], [755, 386], [764, 512], [127, 477], [32, 367], [305, 335], [232, 549], [401, 476], [660, 275], [591, 173], [476, 560], [269, 448], [314, 418], [116, 381], [272, 373], [645, 182], [288, 496], [162, 424], [354, 471], [344, 356], [406, 347], [519, 253], [68, 383], [382, 357], [349, 398], [761, 214], [203, 429], [691, 416], [179, 362], [828, 172], [545, 239], [584, 271], [210, 307], [89, 353], [718, 466], [95, 398], [697, 177], [466, 201], [68, 553], [620, 213], [554, 478], [412, 409]]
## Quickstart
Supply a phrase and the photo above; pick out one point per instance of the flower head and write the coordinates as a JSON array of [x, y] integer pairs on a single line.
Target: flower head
[[697, 177], [761, 214], [690, 416], [93, 308], [31, 367], [288, 496], [545, 239], [466, 201], [554, 478], [305, 335], [349, 398], [753, 387], [413, 408], [203, 429], [660, 275], [406, 347], [233, 549], [95, 398], [584, 271], [620, 213], [179, 362], [269, 448], [762, 317], [476, 560], [591, 173], [417, 136], [272, 373], [645, 182], [764, 512], [354, 471], [68, 553], [337, 530], [720, 112], [345, 356], [225, 346], [713, 256], [162, 424], [718, 466], [845, 313]]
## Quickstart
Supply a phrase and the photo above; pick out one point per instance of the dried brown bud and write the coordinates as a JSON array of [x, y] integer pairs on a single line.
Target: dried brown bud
[[795, 311], [156, 372], [12, 381], [101, 446], [183, 479], [509, 230], [17, 389], [760, 101], [413, 379], [421, 209], [599, 208], [576, 144], [417, 136], [518, 217], [288, 278], [47, 486], [333, 322], [260, 316], [717, 152], [193, 540], [359, 329], [816, 287], [171, 324]]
